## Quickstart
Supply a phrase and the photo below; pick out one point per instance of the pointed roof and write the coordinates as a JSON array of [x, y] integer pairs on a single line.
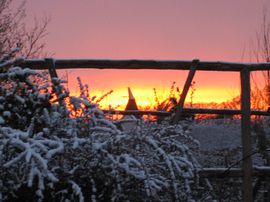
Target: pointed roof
[[130, 95], [131, 105]]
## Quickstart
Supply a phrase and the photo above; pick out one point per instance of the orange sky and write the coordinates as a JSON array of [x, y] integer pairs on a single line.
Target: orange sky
[[209, 86], [151, 29]]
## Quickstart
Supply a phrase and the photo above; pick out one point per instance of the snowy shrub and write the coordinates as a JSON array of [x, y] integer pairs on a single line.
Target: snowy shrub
[[21, 98], [144, 165], [61, 148]]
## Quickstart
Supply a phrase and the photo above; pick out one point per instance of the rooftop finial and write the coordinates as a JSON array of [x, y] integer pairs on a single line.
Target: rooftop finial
[[130, 95]]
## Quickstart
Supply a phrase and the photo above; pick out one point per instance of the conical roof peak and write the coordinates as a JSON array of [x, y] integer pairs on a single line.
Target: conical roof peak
[[130, 94], [131, 105]]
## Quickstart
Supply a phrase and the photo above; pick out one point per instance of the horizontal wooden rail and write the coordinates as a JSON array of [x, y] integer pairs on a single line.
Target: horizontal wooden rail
[[187, 111], [40, 64], [233, 172]]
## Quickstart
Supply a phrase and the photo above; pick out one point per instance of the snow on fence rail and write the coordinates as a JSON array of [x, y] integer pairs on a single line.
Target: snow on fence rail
[[243, 68]]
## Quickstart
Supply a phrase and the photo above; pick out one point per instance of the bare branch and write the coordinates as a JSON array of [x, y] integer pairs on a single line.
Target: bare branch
[[260, 51], [15, 34]]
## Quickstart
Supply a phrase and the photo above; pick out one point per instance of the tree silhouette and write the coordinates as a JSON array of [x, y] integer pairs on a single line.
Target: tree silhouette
[[15, 34]]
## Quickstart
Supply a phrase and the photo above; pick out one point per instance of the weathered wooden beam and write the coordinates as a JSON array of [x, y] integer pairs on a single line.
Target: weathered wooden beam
[[40, 64], [187, 111], [232, 172], [246, 135], [180, 104], [258, 66]]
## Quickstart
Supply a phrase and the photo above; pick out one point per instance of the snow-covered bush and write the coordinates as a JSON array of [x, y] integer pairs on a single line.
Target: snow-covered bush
[[19, 98], [145, 165], [57, 147]]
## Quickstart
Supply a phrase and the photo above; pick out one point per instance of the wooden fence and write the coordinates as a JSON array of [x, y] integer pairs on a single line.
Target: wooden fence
[[244, 69]]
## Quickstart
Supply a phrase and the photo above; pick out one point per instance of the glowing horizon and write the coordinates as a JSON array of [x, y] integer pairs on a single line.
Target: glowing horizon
[[145, 98], [209, 87]]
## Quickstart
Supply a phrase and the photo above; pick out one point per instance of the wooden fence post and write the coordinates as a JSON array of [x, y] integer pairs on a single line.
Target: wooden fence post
[[51, 67], [180, 105], [246, 135], [53, 74]]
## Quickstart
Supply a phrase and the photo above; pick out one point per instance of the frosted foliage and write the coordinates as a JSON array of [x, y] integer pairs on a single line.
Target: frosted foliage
[[21, 97], [28, 157], [62, 148]]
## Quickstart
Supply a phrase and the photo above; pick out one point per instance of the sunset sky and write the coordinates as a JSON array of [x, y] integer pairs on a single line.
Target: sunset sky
[[151, 29]]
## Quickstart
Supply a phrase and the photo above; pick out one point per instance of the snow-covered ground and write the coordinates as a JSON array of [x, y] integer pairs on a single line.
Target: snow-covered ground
[[221, 144], [217, 134]]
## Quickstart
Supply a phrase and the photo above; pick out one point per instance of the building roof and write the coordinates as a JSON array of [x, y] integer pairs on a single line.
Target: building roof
[[131, 105]]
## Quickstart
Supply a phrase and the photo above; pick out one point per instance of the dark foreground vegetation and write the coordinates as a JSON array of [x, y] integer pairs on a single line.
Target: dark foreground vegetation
[[58, 147]]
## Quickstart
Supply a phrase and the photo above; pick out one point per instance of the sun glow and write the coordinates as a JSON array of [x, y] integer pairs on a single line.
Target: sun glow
[[146, 100], [210, 87]]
